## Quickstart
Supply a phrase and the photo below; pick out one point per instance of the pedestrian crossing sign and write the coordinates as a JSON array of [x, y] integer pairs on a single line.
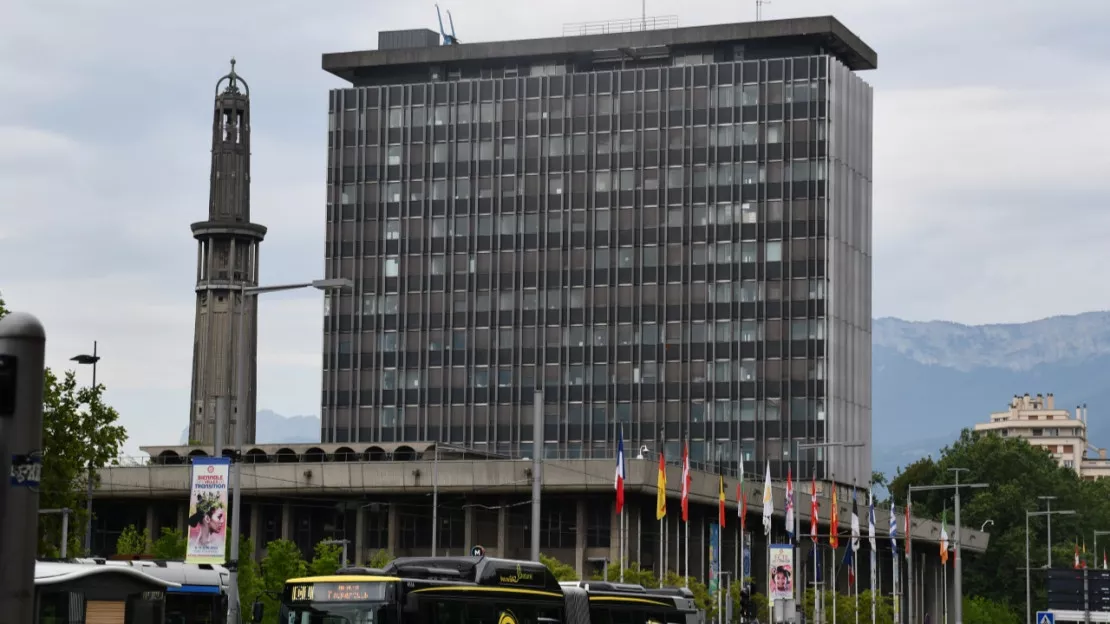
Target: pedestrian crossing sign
[[1046, 617]]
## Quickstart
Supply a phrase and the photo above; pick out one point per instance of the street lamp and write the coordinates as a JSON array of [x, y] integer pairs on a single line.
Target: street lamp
[[985, 524], [241, 410], [957, 564], [86, 359], [1097, 533], [1048, 507], [1028, 582], [802, 446]]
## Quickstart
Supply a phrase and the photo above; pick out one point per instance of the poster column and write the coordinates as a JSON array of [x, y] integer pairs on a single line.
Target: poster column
[[781, 574], [208, 511]]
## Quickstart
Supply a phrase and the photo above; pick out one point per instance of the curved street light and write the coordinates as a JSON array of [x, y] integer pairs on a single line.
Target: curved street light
[[984, 527]]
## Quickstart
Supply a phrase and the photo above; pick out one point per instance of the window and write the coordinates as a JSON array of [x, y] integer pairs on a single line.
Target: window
[[392, 266], [773, 251]]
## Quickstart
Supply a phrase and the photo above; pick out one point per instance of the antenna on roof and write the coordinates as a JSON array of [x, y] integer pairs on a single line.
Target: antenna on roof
[[447, 39], [759, 8]]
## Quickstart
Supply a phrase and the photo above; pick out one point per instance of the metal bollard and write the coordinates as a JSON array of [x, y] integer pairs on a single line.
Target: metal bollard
[[22, 362]]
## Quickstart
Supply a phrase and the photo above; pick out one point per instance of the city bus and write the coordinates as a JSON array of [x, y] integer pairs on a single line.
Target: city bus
[[201, 595], [475, 590]]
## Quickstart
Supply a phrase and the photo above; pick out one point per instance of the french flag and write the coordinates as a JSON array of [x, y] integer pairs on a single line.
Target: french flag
[[618, 484]]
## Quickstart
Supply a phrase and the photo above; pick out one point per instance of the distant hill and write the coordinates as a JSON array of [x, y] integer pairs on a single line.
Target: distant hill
[[273, 428], [932, 379]]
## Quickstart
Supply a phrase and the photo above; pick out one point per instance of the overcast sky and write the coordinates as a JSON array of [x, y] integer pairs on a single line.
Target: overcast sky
[[991, 163]]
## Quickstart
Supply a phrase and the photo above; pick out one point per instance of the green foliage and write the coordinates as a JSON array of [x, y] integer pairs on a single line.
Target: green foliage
[[3, 308], [632, 574], [250, 581], [170, 545], [380, 559], [283, 561], [133, 542], [562, 571], [979, 610], [79, 429], [326, 559], [1017, 474]]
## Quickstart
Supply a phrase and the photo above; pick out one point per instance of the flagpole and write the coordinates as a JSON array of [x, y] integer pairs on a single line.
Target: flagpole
[[944, 582], [662, 566], [687, 547], [622, 545], [855, 573], [836, 583], [816, 592]]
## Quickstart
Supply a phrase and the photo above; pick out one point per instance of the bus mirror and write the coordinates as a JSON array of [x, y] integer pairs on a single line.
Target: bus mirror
[[257, 610]]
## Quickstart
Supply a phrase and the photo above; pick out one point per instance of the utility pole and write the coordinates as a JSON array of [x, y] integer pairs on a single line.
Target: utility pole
[[1048, 508], [957, 582], [537, 469], [88, 359]]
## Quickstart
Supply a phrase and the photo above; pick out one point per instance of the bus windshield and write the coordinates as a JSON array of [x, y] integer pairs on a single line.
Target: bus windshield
[[343, 602]]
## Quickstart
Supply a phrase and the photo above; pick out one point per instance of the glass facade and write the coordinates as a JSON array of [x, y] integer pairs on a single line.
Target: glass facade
[[650, 246]]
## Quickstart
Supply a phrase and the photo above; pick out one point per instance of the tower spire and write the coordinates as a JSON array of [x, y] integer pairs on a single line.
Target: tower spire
[[227, 262]]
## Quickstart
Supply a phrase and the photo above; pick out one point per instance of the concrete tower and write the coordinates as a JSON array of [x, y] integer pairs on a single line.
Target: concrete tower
[[227, 261]]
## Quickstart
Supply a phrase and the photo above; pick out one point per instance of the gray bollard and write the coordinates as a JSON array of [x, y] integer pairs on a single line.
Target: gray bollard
[[22, 362]]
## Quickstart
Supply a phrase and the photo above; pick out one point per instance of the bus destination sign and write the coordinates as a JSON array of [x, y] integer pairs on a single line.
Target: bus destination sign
[[337, 592]]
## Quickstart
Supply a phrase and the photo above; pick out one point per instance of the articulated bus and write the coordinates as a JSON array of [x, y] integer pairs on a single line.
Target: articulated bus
[[475, 590]]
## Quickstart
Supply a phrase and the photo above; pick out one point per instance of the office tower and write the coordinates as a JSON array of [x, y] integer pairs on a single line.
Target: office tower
[[667, 228], [227, 261]]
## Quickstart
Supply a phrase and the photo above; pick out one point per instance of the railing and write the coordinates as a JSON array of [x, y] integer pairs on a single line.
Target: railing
[[619, 26]]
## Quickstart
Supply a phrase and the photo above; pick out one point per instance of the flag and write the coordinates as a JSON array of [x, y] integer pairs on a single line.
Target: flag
[[849, 557], [906, 530], [618, 483], [813, 510], [871, 520], [740, 507], [1104, 560], [1076, 564], [944, 538], [855, 522], [661, 490], [893, 529], [834, 522], [1084, 552], [721, 501], [789, 504], [686, 482], [743, 510], [768, 501]]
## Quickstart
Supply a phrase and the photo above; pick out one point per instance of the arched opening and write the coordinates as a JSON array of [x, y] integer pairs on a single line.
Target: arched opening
[[197, 453], [344, 453], [314, 455], [170, 458], [256, 456], [285, 455], [374, 453], [404, 453]]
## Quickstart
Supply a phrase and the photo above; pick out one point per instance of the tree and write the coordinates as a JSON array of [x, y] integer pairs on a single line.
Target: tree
[[250, 581], [632, 574], [1017, 474], [132, 542], [170, 545], [79, 429], [380, 559], [326, 559], [3, 308], [562, 571], [283, 561], [979, 610]]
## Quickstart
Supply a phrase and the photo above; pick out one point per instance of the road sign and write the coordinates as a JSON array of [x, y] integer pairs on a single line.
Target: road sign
[[1046, 617], [478, 551]]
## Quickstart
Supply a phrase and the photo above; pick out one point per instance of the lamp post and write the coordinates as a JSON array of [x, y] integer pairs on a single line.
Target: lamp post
[[987, 523], [1048, 507], [88, 359], [241, 410], [802, 446], [1097, 533], [1028, 581], [957, 563]]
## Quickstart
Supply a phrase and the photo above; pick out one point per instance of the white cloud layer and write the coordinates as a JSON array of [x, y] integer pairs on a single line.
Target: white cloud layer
[[989, 150]]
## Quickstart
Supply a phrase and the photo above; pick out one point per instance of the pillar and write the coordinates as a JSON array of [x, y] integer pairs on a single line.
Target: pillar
[[470, 530], [256, 530], [182, 510], [392, 530], [360, 535], [580, 538], [503, 528], [286, 521], [151, 522]]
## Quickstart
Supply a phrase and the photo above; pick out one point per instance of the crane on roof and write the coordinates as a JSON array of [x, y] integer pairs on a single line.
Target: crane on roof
[[447, 39]]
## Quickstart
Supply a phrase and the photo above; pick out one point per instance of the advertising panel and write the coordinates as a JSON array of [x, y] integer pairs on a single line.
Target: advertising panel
[[208, 510]]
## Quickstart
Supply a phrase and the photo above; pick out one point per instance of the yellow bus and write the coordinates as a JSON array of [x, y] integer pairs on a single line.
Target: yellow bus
[[475, 590]]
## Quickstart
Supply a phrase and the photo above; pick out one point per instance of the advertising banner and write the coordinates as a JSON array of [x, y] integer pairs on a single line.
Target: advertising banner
[[208, 510], [714, 557], [782, 572]]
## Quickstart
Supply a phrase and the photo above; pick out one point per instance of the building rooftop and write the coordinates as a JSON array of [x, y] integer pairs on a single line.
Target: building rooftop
[[825, 32]]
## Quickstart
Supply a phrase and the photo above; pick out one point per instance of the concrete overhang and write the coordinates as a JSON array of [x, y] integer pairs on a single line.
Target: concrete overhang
[[329, 479]]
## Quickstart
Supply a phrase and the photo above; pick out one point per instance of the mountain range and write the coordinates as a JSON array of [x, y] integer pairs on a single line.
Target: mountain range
[[932, 379]]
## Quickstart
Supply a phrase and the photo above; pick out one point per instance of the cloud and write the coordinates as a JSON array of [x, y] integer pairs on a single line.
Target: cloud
[[988, 163]]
